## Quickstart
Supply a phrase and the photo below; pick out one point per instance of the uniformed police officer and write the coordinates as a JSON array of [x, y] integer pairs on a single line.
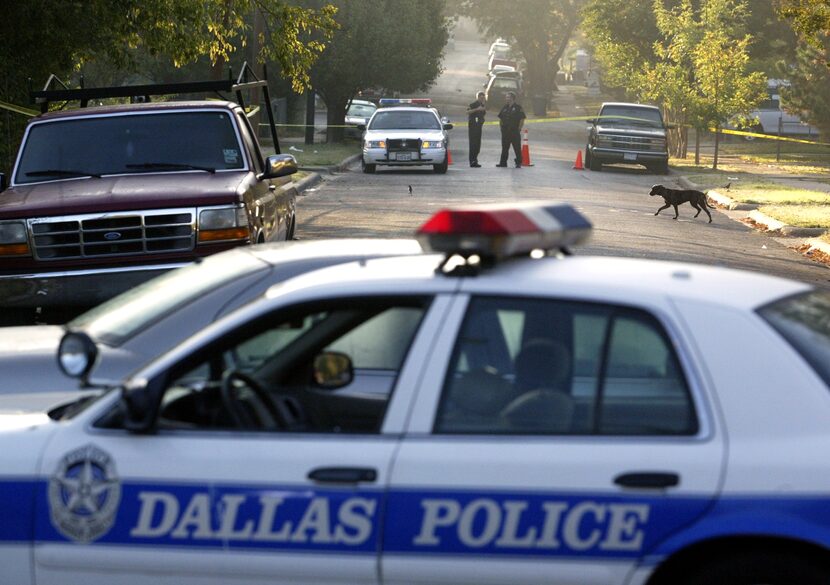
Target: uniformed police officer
[[511, 119], [475, 114]]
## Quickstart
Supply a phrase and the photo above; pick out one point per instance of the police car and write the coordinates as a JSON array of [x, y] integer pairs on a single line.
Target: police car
[[493, 410], [406, 132]]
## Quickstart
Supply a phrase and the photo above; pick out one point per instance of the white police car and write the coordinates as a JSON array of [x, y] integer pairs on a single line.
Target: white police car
[[406, 132], [475, 414]]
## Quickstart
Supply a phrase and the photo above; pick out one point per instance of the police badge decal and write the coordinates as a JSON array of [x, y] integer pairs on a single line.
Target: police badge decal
[[84, 494]]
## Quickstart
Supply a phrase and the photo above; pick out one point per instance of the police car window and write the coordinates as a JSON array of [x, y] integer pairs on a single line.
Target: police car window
[[525, 366], [405, 120], [804, 321], [317, 369]]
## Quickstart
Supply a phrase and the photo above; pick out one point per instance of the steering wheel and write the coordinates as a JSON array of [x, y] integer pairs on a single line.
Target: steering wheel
[[242, 417]]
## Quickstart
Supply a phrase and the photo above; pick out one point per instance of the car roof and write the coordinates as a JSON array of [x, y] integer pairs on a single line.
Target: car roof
[[598, 277], [136, 108], [279, 252]]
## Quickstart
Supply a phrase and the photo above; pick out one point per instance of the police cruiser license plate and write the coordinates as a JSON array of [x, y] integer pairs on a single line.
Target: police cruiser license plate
[[403, 156], [629, 156]]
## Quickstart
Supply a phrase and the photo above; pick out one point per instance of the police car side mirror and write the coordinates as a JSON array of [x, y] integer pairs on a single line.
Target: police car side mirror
[[448, 126], [361, 127], [139, 402], [333, 370]]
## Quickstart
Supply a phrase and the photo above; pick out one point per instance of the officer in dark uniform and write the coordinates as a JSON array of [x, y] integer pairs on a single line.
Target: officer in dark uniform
[[475, 114], [511, 119]]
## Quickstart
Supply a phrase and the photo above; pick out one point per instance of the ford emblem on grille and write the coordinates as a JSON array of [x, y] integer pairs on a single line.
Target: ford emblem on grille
[[112, 236]]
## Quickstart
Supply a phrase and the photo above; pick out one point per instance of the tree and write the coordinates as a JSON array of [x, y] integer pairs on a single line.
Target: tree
[[56, 36], [809, 92], [539, 29], [697, 68], [810, 18], [381, 44]]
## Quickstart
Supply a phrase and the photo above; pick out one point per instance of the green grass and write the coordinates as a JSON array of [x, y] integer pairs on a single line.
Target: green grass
[[811, 216], [765, 193]]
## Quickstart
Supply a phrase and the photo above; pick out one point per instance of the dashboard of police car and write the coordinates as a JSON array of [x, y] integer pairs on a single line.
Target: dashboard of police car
[[466, 416]]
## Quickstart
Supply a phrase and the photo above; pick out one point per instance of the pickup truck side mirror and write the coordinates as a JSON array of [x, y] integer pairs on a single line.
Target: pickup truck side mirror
[[591, 121], [279, 165], [448, 126], [2, 181], [671, 126], [361, 127]]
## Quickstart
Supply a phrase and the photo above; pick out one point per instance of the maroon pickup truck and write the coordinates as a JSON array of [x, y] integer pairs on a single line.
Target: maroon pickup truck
[[102, 198]]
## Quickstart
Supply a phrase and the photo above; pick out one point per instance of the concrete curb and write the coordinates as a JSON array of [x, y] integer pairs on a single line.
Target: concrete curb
[[768, 223], [338, 168], [308, 182], [819, 245]]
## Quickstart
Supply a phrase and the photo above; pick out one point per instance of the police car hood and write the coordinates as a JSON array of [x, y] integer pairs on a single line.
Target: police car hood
[[22, 439], [392, 134]]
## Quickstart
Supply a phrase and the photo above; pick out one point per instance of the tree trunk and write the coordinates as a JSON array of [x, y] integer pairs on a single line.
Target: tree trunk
[[697, 147], [335, 118]]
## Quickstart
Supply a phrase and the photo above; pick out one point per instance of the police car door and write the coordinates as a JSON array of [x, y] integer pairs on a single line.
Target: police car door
[[553, 441], [266, 463]]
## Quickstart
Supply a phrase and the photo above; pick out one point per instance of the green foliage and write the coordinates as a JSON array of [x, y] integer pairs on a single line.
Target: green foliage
[[388, 45], [811, 18], [809, 93], [697, 67], [539, 29], [58, 36]]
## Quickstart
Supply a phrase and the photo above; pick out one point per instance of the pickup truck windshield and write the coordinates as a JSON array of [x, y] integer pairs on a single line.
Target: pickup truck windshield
[[126, 144], [630, 116], [118, 319], [407, 120]]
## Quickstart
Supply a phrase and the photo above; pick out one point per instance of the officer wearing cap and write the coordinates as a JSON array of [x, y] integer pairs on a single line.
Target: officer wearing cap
[[511, 119], [475, 114]]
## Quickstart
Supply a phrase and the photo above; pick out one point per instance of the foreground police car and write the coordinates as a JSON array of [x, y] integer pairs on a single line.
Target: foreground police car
[[475, 415], [406, 132]]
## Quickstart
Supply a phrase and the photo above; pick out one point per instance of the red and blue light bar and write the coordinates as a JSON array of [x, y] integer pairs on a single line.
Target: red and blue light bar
[[504, 230], [405, 101]]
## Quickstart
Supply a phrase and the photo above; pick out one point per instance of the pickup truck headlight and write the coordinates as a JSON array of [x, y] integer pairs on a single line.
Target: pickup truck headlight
[[432, 144], [223, 223], [14, 241], [375, 144]]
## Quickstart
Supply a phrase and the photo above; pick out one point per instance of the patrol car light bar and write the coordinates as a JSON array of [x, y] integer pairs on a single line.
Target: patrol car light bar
[[501, 231], [407, 101]]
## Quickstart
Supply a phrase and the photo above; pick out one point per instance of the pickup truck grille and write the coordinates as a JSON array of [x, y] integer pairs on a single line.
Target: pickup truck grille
[[632, 143], [113, 234]]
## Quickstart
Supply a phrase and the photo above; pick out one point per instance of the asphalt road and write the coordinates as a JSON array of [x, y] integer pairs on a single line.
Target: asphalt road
[[616, 200]]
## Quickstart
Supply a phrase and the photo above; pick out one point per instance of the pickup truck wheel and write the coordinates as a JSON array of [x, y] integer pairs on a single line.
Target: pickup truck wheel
[[587, 156], [368, 168], [595, 164]]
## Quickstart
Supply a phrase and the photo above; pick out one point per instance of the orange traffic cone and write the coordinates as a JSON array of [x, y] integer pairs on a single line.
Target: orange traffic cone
[[578, 164], [449, 157], [526, 150]]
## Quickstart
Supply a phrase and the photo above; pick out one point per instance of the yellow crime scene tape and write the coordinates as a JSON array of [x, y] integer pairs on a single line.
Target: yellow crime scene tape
[[18, 109]]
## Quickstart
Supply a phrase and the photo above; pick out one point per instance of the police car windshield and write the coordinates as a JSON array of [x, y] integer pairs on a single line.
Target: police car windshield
[[804, 321], [631, 116], [118, 319], [405, 120]]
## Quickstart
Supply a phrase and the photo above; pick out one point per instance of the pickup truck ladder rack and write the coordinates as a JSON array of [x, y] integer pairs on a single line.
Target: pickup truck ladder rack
[[247, 80]]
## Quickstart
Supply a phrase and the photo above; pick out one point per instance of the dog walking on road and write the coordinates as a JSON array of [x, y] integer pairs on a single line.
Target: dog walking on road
[[675, 197]]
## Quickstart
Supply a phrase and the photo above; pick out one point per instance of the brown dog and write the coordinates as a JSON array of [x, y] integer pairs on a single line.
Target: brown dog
[[675, 197]]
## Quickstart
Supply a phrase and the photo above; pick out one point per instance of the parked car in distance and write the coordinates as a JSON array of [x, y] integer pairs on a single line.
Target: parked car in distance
[[499, 85], [358, 114], [627, 133], [134, 327], [771, 116]]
